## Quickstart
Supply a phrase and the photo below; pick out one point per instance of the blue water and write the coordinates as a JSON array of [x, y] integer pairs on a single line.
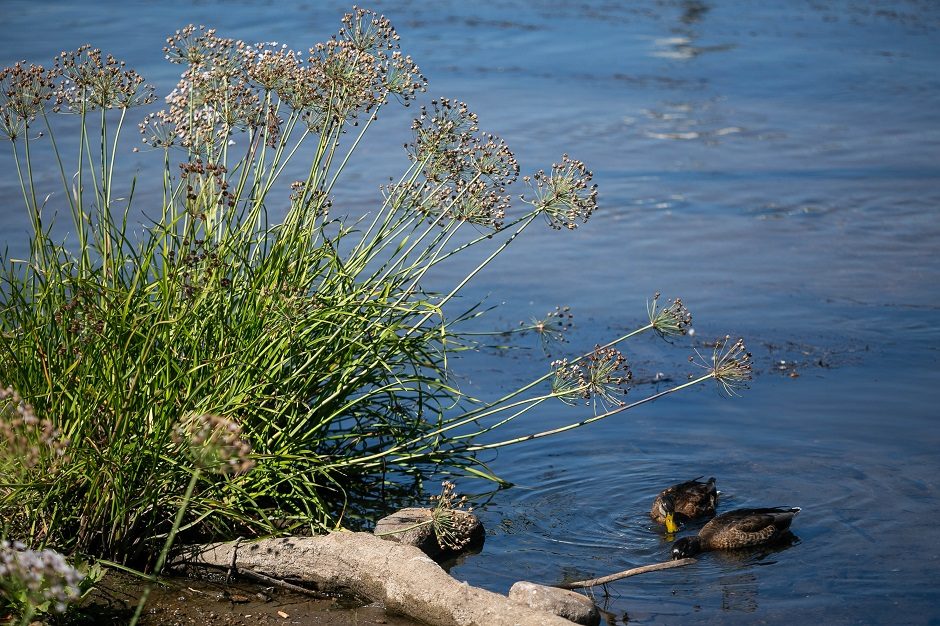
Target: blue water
[[776, 165]]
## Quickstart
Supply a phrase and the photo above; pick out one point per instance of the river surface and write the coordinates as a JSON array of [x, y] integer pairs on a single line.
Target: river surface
[[774, 164]]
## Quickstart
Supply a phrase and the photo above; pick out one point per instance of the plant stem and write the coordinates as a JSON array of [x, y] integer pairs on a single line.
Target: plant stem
[[620, 409], [167, 544]]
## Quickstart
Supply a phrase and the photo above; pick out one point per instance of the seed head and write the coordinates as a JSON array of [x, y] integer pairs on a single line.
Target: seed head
[[602, 376], [673, 320], [466, 172], [564, 195], [214, 443], [451, 522], [27, 442], [95, 81], [24, 91], [729, 365], [551, 329]]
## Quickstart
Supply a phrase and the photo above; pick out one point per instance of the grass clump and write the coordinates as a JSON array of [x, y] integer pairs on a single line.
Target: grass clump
[[220, 372]]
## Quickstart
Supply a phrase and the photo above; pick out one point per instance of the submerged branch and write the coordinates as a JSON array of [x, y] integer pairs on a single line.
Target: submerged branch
[[603, 580]]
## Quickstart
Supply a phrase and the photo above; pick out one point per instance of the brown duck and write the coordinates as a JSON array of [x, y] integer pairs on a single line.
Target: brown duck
[[685, 501], [743, 528]]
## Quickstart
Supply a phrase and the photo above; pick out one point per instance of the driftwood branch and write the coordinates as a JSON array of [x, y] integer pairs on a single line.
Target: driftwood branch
[[402, 577], [277, 582], [581, 584]]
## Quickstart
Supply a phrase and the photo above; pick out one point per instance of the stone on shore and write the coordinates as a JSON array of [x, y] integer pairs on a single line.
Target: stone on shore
[[564, 603]]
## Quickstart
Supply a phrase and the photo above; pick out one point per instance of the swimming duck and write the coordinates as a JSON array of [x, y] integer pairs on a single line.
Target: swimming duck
[[688, 500], [743, 528]]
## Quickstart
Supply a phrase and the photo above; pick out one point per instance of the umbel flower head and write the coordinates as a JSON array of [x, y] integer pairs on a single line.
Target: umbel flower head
[[551, 328], [24, 91], [95, 81], [452, 523], [43, 579], [729, 364], [672, 320], [563, 195], [466, 172], [602, 376], [214, 443]]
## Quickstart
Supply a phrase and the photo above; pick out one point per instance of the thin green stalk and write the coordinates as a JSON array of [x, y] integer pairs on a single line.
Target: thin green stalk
[[473, 273], [494, 407], [167, 544], [58, 158], [352, 149], [620, 409], [19, 173]]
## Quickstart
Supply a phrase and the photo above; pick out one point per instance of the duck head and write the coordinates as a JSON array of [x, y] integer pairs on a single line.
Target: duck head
[[667, 508], [686, 547]]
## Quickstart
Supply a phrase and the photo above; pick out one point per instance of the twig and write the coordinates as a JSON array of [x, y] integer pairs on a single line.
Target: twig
[[281, 583], [231, 568], [579, 584]]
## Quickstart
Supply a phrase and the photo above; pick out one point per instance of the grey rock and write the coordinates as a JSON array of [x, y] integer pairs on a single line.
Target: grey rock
[[564, 603]]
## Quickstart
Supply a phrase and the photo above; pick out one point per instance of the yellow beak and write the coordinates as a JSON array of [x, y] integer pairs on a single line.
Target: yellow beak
[[671, 525]]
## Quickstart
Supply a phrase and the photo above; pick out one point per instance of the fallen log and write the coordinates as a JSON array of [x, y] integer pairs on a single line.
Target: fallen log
[[401, 577]]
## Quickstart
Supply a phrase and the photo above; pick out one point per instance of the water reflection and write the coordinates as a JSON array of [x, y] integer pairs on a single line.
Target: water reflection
[[682, 45], [693, 11], [739, 590]]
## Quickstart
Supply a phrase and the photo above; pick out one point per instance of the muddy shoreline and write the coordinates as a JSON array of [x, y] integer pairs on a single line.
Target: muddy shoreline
[[194, 602]]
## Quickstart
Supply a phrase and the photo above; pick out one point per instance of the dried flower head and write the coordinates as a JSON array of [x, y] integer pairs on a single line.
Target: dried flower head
[[44, 579], [270, 65], [477, 203], [403, 78], [602, 376], [24, 91], [214, 443], [349, 81], [729, 365], [27, 442], [188, 45], [564, 195], [452, 523], [467, 172], [551, 329], [158, 130], [443, 134], [672, 320], [368, 31], [95, 81]]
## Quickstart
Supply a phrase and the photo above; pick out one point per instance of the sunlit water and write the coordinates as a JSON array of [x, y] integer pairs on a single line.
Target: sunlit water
[[777, 165]]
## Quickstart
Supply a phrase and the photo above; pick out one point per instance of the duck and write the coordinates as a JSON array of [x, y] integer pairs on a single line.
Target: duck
[[741, 528], [686, 501]]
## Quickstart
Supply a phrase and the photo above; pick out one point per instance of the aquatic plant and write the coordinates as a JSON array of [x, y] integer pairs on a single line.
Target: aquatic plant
[[240, 364]]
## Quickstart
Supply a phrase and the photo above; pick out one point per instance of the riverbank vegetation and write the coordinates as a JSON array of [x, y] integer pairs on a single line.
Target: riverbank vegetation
[[249, 357]]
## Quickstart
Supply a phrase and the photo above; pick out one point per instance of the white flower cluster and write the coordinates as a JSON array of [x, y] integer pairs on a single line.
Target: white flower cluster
[[44, 575]]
